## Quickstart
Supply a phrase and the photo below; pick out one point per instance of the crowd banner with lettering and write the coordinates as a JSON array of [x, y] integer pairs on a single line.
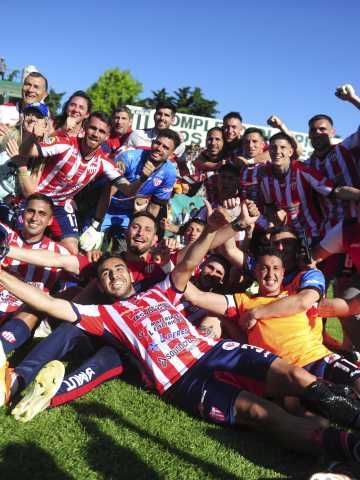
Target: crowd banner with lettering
[[193, 128]]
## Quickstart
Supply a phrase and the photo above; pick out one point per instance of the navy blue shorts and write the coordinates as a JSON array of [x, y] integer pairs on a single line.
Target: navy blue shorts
[[210, 388], [335, 368]]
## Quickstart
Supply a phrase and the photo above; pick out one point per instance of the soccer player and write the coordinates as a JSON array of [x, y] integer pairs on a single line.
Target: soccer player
[[148, 177], [70, 164], [290, 185], [164, 117], [17, 321], [233, 130], [182, 363], [338, 162], [121, 119]]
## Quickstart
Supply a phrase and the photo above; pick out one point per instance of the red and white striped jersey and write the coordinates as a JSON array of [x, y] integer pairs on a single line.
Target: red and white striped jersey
[[296, 193], [149, 325], [66, 172], [41, 277], [341, 165]]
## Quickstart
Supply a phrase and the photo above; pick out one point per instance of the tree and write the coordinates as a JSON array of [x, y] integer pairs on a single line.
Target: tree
[[115, 87], [53, 101], [185, 99], [158, 96]]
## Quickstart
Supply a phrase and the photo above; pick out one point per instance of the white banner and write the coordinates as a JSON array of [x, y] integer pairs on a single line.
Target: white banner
[[194, 128]]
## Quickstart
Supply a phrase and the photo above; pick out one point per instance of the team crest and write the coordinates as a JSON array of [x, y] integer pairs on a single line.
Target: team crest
[[50, 140], [162, 361], [120, 166], [230, 345], [157, 181]]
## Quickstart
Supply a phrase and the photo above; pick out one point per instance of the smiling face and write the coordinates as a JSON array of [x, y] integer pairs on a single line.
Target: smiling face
[[115, 279], [269, 273], [214, 143], [141, 235], [253, 144], [37, 216], [161, 149], [281, 152], [233, 129], [33, 90], [96, 132], [78, 108], [320, 133], [163, 118], [212, 275], [121, 123]]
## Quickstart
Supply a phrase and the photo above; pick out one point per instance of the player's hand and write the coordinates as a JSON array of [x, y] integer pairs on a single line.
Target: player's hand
[[70, 124], [91, 239], [275, 122], [240, 162], [247, 320], [345, 92], [12, 148], [39, 130], [148, 169], [94, 255], [4, 129], [218, 219]]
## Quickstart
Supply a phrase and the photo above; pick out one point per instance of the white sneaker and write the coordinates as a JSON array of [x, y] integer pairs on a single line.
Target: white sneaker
[[43, 330], [40, 392]]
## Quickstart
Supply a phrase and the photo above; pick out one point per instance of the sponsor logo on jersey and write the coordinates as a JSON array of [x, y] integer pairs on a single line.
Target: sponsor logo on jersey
[[331, 358], [230, 345], [162, 361], [8, 336], [76, 381]]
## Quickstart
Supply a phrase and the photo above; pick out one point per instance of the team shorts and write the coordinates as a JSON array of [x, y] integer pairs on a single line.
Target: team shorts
[[210, 388], [335, 369]]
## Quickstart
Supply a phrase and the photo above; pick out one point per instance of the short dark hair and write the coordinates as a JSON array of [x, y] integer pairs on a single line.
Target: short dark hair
[[38, 75], [254, 130], [122, 108], [106, 255], [104, 117], [147, 215], [215, 257], [215, 129], [232, 115], [171, 134], [167, 105], [268, 250], [42, 197], [283, 136], [228, 167], [283, 229], [197, 220], [320, 116]]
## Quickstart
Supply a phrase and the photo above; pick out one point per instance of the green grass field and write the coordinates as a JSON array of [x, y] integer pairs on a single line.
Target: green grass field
[[120, 431]]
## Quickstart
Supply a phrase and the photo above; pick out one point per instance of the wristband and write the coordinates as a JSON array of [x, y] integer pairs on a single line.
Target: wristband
[[23, 173], [96, 224]]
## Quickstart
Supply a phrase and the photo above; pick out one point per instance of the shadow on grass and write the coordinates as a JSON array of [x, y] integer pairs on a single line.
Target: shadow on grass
[[28, 461], [264, 451], [101, 457]]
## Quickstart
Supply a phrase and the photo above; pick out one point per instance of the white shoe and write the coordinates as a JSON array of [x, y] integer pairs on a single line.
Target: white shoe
[[43, 330], [40, 392]]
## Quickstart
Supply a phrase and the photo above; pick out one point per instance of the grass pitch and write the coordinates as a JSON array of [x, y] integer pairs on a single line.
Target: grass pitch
[[120, 431]]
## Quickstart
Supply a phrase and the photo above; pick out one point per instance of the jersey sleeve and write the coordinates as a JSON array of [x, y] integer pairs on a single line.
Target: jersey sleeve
[[317, 180], [352, 142], [333, 240], [168, 288], [55, 145], [89, 318], [111, 171], [313, 278]]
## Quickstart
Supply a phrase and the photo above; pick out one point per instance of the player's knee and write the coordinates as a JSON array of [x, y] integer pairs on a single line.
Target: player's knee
[[299, 376], [250, 410]]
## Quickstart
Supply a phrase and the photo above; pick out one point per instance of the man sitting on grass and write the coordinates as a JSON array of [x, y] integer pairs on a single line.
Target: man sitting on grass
[[187, 367]]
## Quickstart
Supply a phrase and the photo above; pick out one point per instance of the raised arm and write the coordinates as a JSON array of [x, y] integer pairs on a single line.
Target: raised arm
[[347, 93], [213, 302], [197, 251], [276, 122], [37, 299]]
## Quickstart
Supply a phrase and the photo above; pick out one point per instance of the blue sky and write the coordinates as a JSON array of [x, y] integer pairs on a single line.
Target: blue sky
[[258, 58]]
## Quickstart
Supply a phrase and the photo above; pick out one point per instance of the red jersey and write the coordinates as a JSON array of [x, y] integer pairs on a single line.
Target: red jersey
[[296, 194], [149, 325], [66, 172], [41, 277], [341, 165]]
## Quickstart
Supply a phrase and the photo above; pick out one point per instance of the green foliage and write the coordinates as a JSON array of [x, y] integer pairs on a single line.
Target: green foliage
[[185, 99], [13, 75], [53, 101], [115, 87]]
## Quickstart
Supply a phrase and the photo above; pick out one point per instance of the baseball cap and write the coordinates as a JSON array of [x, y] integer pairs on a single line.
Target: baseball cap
[[41, 107]]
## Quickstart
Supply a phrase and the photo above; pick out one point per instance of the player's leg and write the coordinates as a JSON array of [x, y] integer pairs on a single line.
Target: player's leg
[[17, 330], [52, 388]]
